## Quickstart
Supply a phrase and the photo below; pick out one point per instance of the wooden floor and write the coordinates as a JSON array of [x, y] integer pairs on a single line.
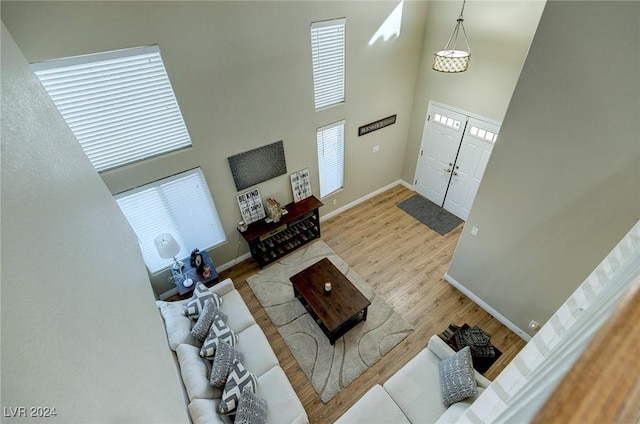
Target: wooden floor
[[404, 261]]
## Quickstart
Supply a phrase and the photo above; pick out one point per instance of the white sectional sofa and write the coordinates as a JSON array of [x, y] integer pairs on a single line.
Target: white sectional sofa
[[413, 394], [202, 399]]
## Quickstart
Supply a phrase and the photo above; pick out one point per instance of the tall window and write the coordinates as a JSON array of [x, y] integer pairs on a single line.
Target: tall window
[[120, 105], [327, 49], [180, 205], [331, 157]]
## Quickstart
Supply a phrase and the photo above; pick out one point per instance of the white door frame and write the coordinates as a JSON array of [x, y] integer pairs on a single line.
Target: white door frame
[[453, 109]]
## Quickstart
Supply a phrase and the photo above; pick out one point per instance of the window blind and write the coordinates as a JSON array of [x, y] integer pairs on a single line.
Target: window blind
[[120, 105], [331, 157], [328, 53], [180, 205]]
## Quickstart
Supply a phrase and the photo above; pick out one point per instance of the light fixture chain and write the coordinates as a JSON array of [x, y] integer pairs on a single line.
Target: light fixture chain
[[451, 60]]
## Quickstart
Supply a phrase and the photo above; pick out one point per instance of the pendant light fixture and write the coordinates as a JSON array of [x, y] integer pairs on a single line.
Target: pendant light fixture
[[451, 60]]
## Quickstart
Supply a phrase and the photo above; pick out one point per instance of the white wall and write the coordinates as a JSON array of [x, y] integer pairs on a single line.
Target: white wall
[[243, 78], [500, 33], [562, 185], [80, 330]]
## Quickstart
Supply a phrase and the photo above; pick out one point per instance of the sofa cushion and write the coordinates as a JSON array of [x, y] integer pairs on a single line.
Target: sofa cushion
[[284, 405], [204, 411], [177, 326], [201, 294], [223, 287], [205, 319], [416, 388], [258, 354], [223, 361], [195, 373], [455, 411], [238, 315], [457, 377], [251, 409], [376, 406], [240, 379], [219, 332]]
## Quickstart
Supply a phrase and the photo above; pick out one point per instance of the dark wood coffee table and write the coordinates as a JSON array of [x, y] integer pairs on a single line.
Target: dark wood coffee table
[[335, 312]]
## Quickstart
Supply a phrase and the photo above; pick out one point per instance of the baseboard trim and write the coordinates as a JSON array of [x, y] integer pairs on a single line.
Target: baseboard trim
[[168, 294], [484, 305], [233, 262], [364, 198]]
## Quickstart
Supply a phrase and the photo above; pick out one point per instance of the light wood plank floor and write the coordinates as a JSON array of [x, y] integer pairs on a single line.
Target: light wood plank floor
[[404, 261]]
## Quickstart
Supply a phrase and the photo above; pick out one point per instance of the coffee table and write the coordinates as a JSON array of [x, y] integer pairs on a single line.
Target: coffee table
[[335, 312]]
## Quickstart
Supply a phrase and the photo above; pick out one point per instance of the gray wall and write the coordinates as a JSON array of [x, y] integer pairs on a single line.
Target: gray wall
[[500, 33], [562, 185], [242, 75], [80, 331]]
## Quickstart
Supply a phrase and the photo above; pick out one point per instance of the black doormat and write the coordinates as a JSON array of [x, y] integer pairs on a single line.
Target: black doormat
[[430, 214]]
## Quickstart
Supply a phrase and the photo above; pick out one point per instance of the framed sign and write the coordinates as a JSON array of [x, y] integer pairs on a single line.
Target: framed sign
[[300, 184], [374, 126], [250, 205]]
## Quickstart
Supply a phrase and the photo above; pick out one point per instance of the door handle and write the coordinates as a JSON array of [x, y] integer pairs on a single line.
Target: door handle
[[455, 173], [446, 170]]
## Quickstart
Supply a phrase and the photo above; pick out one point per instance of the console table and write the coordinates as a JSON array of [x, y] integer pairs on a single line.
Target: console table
[[269, 241]]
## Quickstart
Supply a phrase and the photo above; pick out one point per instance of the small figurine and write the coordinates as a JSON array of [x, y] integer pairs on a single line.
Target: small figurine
[[206, 272]]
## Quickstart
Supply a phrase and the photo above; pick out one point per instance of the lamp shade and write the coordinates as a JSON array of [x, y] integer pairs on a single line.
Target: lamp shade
[[167, 246], [451, 61]]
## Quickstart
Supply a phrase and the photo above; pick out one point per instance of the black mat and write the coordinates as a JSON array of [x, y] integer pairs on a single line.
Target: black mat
[[481, 361], [430, 214]]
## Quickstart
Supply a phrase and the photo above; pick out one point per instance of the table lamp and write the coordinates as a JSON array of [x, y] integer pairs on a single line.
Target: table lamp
[[168, 248]]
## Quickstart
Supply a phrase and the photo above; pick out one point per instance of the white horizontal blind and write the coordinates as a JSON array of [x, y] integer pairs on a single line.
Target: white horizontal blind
[[328, 53], [331, 157], [120, 105], [180, 205]]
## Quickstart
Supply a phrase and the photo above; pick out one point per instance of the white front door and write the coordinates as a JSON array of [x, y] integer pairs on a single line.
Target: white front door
[[472, 160], [438, 150]]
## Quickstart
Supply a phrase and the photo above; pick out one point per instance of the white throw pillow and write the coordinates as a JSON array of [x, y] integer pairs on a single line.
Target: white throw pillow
[[177, 326], [195, 373]]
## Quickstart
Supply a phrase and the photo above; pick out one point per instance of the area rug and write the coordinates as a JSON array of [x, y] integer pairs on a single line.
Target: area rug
[[329, 368], [430, 214]]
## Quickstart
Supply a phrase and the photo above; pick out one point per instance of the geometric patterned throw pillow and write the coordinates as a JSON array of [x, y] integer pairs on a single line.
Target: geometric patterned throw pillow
[[457, 379], [200, 295], [251, 409], [218, 333], [239, 380], [223, 361], [205, 319]]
